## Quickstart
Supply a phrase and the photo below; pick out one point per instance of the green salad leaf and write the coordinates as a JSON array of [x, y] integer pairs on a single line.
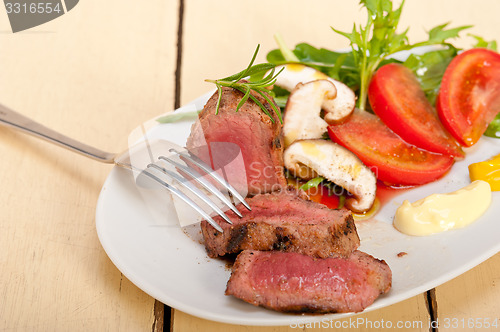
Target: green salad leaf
[[439, 35], [378, 39], [372, 46], [313, 183], [481, 42], [493, 129], [429, 69]]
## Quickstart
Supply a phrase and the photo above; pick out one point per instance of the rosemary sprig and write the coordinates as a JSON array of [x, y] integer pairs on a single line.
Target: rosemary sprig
[[259, 86]]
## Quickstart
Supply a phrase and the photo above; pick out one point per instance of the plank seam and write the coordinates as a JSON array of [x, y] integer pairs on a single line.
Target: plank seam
[[167, 318], [178, 66], [431, 303]]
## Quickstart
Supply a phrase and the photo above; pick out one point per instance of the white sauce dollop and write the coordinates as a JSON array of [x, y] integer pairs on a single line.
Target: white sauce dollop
[[441, 212]]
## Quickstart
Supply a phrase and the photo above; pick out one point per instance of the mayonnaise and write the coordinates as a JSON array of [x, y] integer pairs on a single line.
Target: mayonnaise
[[441, 212]]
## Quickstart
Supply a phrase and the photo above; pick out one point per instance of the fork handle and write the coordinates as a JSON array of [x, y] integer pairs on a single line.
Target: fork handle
[[15, 120]]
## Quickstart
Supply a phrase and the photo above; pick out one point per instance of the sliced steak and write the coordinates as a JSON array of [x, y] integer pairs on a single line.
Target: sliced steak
[[284, 221], [291, 282], [260, 139]]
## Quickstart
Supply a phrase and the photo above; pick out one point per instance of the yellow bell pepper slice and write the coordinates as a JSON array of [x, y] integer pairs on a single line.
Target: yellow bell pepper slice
[[488, 170]]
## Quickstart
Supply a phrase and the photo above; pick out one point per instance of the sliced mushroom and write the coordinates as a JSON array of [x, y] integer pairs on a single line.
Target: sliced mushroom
[[310, 158], [302, 118], [336, 109]]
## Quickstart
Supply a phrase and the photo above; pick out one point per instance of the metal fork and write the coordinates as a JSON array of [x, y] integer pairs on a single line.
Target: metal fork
[[15, 120]]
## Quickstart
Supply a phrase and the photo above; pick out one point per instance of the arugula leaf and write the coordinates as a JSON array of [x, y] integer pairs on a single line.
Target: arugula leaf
[[287, 54], [429, 69], [280, 96], [439, 35], [281, 101], [338, 65], [275, 57], [378, 39], [482, 43], [493, 129], [310, 54], [313, 183], [372, 46]]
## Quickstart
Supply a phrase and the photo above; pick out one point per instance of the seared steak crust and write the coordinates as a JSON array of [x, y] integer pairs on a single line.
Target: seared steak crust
[[292, 282], [259, 138], [284, 221]]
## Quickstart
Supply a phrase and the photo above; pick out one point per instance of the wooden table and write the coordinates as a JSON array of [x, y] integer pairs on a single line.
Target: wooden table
[[107, 66]]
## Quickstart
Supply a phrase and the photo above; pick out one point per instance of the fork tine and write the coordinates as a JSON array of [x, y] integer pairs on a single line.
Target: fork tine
[[198, 162], [185, 198], [207, 185], [183, 182]]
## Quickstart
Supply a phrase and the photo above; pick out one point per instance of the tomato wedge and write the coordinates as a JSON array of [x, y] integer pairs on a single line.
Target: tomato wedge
[[469, 96], [398, 99], [391, 159]]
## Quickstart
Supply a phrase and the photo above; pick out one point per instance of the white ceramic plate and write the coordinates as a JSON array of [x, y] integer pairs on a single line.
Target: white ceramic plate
[[173, 267]]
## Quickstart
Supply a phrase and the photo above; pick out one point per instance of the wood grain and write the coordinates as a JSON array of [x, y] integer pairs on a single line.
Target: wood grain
[[411, 312], [471, 299], [93, 74]]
